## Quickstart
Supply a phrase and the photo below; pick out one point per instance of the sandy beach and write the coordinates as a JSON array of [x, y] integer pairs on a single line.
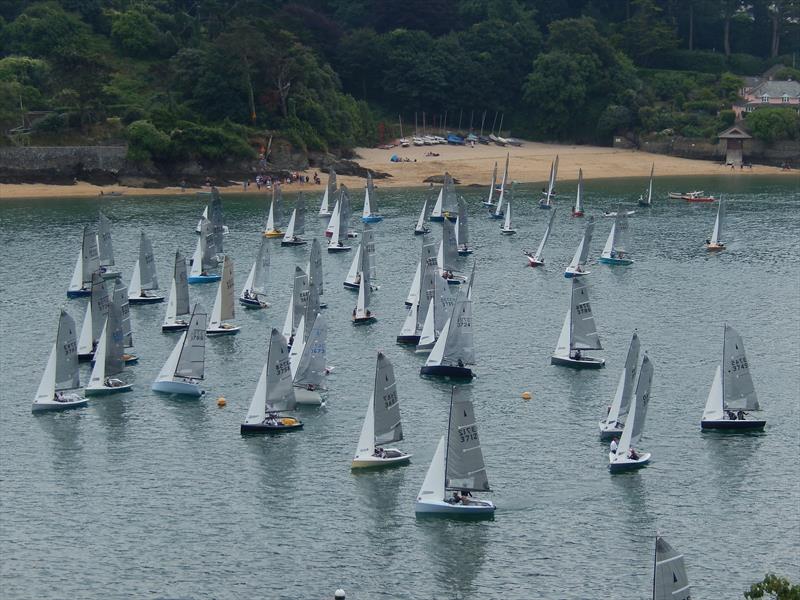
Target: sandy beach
[[529, 163]]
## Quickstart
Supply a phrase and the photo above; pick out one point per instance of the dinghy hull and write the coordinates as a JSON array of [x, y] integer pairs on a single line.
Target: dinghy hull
[[508, 231], [175, 327], [616, 261], [333, 249], [297, 242], [179, 388], [730, 425], [203, 278], [608, 432], [582, 363], [495, 215], [410, 340], [623, 464], [569, 274], [145, 299], [364, 320], [532, 262], [254, 304], [462, 373], [376, 462], [577, 213], [305, 397], [465, 252], [273, 233], [421, 231], [78, 293], [105, 390], [218, 331], [285, 424], [480, 508], [372, 219], [54, 406], [715, 247], [437, 219]]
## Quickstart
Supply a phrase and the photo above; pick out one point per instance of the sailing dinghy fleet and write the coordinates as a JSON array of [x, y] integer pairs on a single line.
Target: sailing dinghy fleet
[[438, 323]]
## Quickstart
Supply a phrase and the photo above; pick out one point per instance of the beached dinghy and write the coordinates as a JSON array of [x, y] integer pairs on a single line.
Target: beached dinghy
[[255, 288], [61, 373], [670, 581], [462, 229], [328, 195], [274, 393], [579, 332], [105, 248], [625, 457], [272, 226], [178, 302], [420, 228], [536, 259], [223, 304], [714, 243], [457, 467], [732, 392], [370, 213], [612, 425], [646, 199], [577, 210], [577, 267], [108, 359], [88, 262], [382, 423], [184, 369], [144, 276], [548, 195], [297, 224], [307, 361], [615, 252], [454, 349], [204, 256], [498, 213]]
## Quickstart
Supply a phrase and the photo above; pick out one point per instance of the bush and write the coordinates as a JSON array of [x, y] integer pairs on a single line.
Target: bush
[[774, 124], [690, 60], [707, 106], [132, 114], [745, 64], [52, 123], [209, 143], [146, 142], [726, 118]]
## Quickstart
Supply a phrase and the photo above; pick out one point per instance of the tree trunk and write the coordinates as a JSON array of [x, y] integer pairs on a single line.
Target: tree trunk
[[776, 30], [727, 41], [691, 26], [250, 95]]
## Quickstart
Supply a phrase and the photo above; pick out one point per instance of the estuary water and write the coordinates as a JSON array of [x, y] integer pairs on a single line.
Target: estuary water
[[147, 496]]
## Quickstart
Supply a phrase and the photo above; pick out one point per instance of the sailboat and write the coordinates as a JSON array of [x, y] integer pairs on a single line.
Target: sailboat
[[457, 466], [506, 228], [144, 276], [307, 361], [421, 229], [297, 224], [626, 457], [178, 303], [462, 229], [223, 304], [489, 203], [297, 305], [547, 196], [255, 288], [105, 248], [370, 213], [327, 195], [274, 393], [445, 206], [338, 230], [611, 426], [108, 359], [732, 392], [96, 312], [382, 422], [346, 213], [88, 262], [421, 294], [615, 251], [454, 349], [670, 581], [448, 255], [61, 373], [714, 244], [579, 332], [577, 210], [314, 269], [217, 220], [537, 258], [363, 260], [121, 307], [577, 266], [204, 256], [362, 315], [647, 198], [439, 309], [498, 211], [184, 369], [272, 226]]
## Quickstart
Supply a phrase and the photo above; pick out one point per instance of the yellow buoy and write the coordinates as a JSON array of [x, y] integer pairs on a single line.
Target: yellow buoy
[[527, 395], [221, 402]]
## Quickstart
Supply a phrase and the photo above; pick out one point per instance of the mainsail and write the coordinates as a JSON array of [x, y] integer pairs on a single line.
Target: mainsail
[[583, 331], [66, 350], [738, 392], [191, 362], [669, 573], [104, 243], [388, 427], [634, 426], [465, 469]]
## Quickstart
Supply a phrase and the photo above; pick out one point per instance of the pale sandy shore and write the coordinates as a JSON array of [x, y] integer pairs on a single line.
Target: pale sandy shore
[[529, 163]]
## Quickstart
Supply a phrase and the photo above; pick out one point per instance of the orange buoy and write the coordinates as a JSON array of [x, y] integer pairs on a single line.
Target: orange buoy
[[527, 395], [221, 402]]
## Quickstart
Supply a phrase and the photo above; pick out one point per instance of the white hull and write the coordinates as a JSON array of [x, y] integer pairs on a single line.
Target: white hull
[[376, 462], [306, 397], [177, 387], [440, 507], [617, 464], [223, 330], [70, 401], [104, 390]]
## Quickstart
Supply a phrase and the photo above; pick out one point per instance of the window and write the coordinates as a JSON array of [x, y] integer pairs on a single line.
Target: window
[[765, 98], [785, 98]]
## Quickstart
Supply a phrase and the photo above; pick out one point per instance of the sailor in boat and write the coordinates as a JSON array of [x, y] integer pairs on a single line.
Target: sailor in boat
[[460, 363], [577, 354], [291, 339], [632, 454], [203, 273], [379, 452], [113, 382], [614, 445], [246, 295], [455, 499]]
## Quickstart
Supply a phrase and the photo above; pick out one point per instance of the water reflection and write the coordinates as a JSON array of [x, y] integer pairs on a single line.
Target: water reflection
[[732, 458], [456, 551], [630, 491]]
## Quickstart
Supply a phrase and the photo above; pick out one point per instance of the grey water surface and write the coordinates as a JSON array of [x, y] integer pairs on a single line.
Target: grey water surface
[[147, 496]]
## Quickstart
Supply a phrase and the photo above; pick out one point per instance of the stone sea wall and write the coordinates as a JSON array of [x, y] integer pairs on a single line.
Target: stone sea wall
[[755, 151]]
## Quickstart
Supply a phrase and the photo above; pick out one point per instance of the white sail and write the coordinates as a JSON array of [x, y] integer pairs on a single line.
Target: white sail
[[562, 346], [362, 305], [634, 426], [147, 264], [551, 184], [61, 372], [413, 292], [465, 469], [203, 216], [224, 302], [507, 218], [409, 327], [315, 266], [670, 581], [433, 487], [288, 236], [738, 392], [370, 204], [104, 243], [538, 256], [583, 331], [178, 303], [100, 305], [334, 220], [579, 196], [649, 201], [438, 207], [88, 262], [98, 375], [119, 298], [297, 303], [499, 209], [716, 235], [388, 427], [196, 265], [610, 240], [274, 391], [330, 190], [448, 253], [187, 359], [355, 266], [714, 403], [428, 333], [622, 398], [462, 225], [217, 219], [421, 220], [459, 344], [309, 368], [582, 252], [490, 200]]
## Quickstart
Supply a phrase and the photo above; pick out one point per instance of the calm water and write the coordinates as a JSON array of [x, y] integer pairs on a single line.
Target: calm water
[[146, 496]]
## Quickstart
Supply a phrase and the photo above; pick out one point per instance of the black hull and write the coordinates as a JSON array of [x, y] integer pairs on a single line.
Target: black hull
[[300, 243], [261, 428], [727, 425], [577, 364], [448, 372], [412, 340]]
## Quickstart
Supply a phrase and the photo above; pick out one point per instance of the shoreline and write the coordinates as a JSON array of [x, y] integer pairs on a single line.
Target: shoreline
[[529, 163]]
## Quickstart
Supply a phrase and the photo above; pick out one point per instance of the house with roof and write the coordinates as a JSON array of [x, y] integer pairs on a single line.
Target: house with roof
[[759, 92]]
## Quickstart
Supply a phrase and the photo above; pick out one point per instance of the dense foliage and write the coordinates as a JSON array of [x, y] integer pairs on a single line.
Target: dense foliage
[[774, 587], [210, 79]]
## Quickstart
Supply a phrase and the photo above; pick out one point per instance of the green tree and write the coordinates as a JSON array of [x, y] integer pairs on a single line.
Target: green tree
[[646, 33], [775, 587], [45, 29], [774, 124], [134, 33]]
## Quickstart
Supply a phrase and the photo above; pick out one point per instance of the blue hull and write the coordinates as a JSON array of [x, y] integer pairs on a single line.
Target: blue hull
[[204, 278], [259, 428], [78, 293], [727, 425], [616, 261], [372, 219], [432, 218]]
